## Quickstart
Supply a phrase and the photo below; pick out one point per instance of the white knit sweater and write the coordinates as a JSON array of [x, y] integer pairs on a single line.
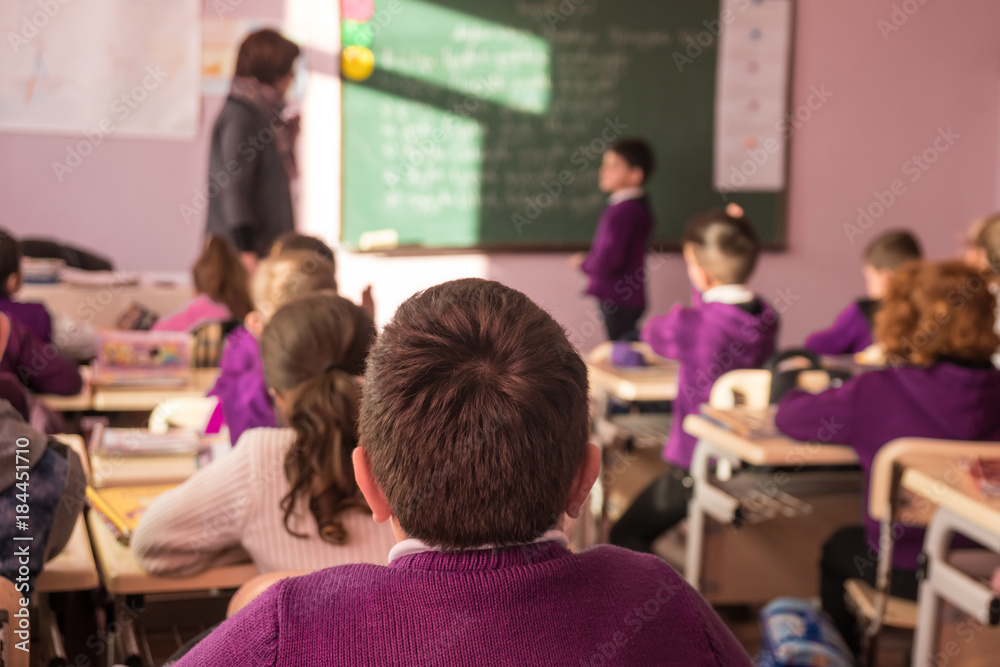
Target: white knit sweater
[[235, 502]]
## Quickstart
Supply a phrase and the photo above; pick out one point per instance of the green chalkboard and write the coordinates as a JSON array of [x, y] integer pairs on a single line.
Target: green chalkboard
[[484, 122]]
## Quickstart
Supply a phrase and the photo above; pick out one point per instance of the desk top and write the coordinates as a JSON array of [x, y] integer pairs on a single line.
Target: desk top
[[124, 576], [947, 487], [655, 382], [114, 399], [776, 450], [74, 568]]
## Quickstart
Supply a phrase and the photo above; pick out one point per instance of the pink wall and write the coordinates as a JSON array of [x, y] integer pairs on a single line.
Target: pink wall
[[889, 99]]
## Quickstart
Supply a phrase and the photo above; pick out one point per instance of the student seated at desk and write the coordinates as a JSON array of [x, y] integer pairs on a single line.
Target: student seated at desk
[[45, 475], [285, 495], [33, 316], [984, 256], [851, 332], [727, 327], [936, 327], [474, 431], [244, 402], [222, 286], [293, 241], [38, 365]]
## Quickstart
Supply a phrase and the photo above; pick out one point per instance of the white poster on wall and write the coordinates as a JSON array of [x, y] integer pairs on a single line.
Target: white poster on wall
[[751, 95], [105, 68]]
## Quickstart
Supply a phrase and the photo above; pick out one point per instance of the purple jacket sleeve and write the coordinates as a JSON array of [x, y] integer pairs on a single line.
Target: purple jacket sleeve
[[241, 387], [39, 365], [840, 337], [825, 417], [247, 639], [669, 335], [607, 253]]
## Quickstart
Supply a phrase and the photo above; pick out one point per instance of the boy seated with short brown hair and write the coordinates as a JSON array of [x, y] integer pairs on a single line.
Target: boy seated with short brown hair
[[474, 429]]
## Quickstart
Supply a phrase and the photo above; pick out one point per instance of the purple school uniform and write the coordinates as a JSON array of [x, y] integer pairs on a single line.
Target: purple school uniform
[[617, 259], [945, 401], [241, 387], [708, 340], [538, 604], [37, 365], [32, 315], [850, 333]]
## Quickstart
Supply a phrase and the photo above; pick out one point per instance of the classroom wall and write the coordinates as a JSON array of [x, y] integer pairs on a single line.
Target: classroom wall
[[879, 96]]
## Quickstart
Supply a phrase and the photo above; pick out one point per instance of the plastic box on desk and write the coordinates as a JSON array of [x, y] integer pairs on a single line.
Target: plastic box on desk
[[142, 358]]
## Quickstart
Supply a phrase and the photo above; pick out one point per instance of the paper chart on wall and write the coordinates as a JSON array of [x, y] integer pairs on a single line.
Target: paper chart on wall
[[751, 132], [105, 68]]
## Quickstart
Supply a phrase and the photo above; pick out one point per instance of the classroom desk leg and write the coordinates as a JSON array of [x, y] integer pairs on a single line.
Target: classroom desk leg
[[706, 500], [945, 583], [125, 637]]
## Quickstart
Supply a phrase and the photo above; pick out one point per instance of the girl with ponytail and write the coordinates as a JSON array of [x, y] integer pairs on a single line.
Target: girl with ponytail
[[287, 496]]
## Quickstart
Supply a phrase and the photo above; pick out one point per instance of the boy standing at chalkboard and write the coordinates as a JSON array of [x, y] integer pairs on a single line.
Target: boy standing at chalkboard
[[616, 265]]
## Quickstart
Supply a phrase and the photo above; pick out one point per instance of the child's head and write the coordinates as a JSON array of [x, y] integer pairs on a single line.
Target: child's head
[[290, 241], [282, 279], [720, 248], [884, 255], [220, 275], [267, 56], [311, 348], [936, 309], [474, 423], [627, 163], [10, 264], [984, 252]]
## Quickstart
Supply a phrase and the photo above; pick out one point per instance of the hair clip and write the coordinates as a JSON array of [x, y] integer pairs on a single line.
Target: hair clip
[[734, 210], [331, 367]]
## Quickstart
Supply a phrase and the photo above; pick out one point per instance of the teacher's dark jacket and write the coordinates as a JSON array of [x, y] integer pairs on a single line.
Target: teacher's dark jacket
[[249, 196]]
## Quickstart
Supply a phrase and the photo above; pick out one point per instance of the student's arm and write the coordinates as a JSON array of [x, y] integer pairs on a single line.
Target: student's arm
[[670, 335], [826, 417], [248, 639], [837, 338], [236, 144], [198, 524], [40, 366], [611, 242], [725, 649]]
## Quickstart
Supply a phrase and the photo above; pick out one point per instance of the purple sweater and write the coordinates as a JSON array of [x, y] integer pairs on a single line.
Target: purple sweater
[[945, 401], [617, 260], [241, 387], [708, 340], [37, 364], [850, 333], [32, 315], [538, 604]]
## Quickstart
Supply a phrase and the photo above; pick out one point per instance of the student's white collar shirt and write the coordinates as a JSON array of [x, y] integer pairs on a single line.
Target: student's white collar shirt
[[625, 195], [728, 294], [411, 546]]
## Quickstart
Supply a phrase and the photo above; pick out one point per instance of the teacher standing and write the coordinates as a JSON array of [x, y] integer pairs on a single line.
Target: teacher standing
[[252, 161]]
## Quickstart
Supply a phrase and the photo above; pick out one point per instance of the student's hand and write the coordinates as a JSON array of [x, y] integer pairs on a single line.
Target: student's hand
[[367, 302], [576, 259], [249, 260]]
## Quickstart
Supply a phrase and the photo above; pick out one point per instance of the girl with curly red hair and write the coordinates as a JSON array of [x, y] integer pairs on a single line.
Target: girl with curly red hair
[[936, 327]]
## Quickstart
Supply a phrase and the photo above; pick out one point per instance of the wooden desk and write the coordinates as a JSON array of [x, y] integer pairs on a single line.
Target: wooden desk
[[962, 509], [655, 382], [140, 399], [773, 498], [74, 568], [128, 583]]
